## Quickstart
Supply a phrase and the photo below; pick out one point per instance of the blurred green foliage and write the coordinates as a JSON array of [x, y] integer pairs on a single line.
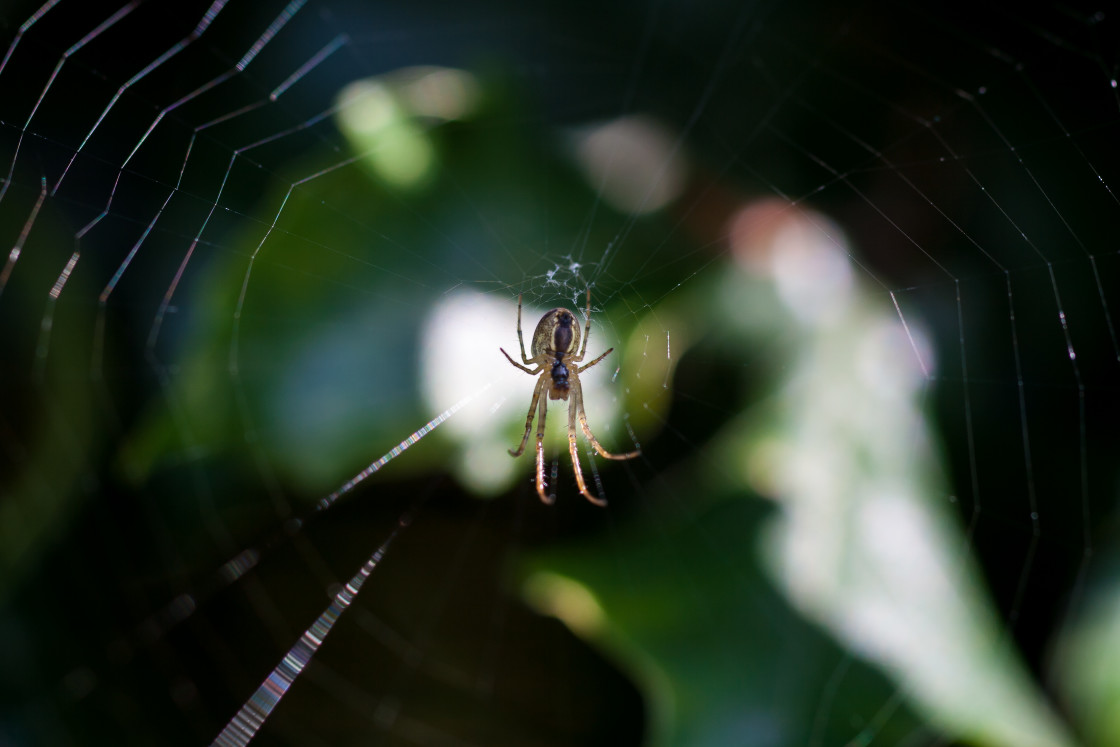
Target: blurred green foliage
[[320, 363], [303, 347], [49, 420]]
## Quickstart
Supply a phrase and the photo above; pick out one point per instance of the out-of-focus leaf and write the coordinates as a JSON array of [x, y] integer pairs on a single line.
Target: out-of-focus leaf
[[1087, 665], [684, 607], [862, 541]]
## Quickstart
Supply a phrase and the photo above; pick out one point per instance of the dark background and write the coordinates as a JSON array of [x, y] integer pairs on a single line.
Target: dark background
[[803, 100]]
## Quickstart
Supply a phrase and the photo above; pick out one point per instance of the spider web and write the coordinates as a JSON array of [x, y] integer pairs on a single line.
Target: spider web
[[858, 272]]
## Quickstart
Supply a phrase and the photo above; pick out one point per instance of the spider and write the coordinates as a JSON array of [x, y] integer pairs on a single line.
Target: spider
[[554, 340]]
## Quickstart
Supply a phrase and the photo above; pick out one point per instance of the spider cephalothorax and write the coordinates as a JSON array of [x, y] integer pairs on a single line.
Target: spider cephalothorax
[[555, 341]]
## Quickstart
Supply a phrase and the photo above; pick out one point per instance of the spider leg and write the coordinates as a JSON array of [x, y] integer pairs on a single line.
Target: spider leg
[[528, 419], [577, 395], [520, 339], [545, 498], [581, 369], [575, 456], [523, 368], [586, 328]]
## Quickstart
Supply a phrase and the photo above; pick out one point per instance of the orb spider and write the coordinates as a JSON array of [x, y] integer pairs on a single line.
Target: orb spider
[[554, 340]]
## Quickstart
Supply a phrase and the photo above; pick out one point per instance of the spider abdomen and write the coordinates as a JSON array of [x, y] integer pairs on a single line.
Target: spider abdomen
[[556, 334]]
